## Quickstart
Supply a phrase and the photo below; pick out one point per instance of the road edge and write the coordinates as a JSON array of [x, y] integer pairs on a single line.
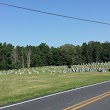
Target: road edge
[[53, 95]]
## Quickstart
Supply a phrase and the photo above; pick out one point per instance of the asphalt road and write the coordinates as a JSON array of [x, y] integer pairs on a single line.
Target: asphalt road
[[95, 97]]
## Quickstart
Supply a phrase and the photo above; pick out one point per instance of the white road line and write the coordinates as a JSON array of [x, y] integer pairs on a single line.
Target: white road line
[[53, 95]]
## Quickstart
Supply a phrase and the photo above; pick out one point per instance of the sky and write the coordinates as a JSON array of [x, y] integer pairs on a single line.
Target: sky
[[22, 27]]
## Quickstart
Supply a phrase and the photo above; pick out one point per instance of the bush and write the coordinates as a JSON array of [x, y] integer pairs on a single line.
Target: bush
[[69, 66]]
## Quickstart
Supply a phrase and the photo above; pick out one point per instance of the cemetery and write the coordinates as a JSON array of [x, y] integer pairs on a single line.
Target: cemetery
[[34, 71], [27, 83], [90, 67]]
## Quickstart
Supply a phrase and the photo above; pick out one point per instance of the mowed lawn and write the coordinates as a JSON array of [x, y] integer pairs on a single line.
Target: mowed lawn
[[15, 88]]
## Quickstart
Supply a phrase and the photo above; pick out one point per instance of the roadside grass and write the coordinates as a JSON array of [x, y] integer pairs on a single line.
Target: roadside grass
[[16, 88]]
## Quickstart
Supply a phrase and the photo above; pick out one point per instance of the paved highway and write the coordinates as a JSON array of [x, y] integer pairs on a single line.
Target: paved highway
[[95, 97]]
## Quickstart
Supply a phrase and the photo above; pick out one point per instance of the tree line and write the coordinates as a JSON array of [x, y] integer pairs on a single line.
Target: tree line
[[31, 56]]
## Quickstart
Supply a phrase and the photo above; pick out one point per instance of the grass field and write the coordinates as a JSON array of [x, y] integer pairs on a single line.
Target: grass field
[[15, 87]]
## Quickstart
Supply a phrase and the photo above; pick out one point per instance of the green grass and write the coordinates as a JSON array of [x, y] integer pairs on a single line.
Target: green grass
[[15, 88]]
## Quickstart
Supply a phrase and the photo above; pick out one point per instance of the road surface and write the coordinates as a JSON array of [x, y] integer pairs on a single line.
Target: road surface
[[95, 97]]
